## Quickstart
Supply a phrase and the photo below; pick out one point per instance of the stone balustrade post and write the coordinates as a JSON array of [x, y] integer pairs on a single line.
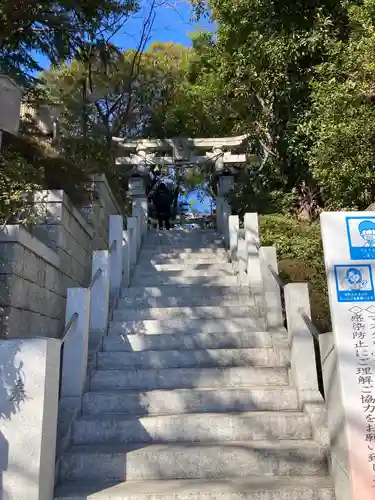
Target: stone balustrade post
[[76, 342], [271, 289], [252, 242], [140, 210], [303, 364], [233, 229], [30, 370], [132, 229], [226, 214], [242, 261], [115, 243], [99, 308], [126, 255]]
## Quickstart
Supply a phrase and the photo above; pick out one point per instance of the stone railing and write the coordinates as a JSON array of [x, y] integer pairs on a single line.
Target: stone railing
[[257, 267], [35, 393]]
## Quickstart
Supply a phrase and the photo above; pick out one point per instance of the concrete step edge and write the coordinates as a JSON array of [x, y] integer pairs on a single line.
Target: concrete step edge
[[224, 489]]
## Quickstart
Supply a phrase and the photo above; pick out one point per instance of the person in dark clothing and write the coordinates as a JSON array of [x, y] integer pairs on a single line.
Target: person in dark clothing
[[163, 198]]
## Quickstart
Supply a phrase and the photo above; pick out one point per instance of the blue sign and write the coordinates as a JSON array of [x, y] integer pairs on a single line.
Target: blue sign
[[354, 283], [361, 237]]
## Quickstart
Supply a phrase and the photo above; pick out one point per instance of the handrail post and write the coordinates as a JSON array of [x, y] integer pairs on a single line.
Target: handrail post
[[233, 227], [303, 363], [126, 251], [75, 346], [226, 214], [252, 242], [116, 225], [100, 292], [140, 210], [29, 403], [271, 289], [133, 228]]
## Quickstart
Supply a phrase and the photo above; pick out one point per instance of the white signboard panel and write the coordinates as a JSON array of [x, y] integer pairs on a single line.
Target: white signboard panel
[[349, 252]]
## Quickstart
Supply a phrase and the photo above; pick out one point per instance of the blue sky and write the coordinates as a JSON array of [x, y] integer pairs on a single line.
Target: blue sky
[[173, 23]]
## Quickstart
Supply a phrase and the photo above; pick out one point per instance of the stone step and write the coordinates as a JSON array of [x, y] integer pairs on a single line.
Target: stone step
[[188, 326], [183, 243], [181, 342], [187, 378], [180, 296], [187, 259], [204, 312], [144, 292], [191, 401], [169, 252], [192, 300], [249, 488], [138, 462], [183, 246], [168, 278], [193, 358], [188, 272], [207, 267], [200, 427]]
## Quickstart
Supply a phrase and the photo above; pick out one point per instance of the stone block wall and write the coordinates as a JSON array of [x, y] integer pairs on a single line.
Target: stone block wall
[[32, 286], [104, 203], [37, 267], [63, 228]]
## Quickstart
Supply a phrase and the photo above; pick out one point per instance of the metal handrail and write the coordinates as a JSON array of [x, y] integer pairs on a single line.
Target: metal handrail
[[113, 246], [95, 278], [279, 280], [68, 327], [310, 325]]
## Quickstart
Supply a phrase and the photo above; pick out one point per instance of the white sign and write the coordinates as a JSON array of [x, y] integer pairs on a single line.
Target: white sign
[[349, 253]]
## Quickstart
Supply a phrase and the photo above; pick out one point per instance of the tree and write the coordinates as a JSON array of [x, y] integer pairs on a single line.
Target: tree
[[138, 87], [59, 30], [341, 122]]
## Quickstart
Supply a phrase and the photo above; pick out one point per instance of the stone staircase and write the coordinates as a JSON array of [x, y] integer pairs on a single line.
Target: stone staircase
[[190, 398]]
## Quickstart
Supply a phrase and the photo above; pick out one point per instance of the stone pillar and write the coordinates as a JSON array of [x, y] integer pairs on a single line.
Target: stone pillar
[[234, 227], [100, 292], [75, 347], [126, 258], [252, 242], [29, 396], [271, 288], [140, 210], [303, 365], [116, 227], [133, 239]]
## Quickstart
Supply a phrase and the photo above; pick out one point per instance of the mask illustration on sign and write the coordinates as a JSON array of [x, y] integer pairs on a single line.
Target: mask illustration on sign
[[354, 279], [367, 231]]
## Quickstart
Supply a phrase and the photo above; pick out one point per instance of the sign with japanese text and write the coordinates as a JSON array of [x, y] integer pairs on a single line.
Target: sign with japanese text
[[349, 253]]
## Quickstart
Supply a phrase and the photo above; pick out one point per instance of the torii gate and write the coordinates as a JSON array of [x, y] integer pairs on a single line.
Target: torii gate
[[226, 155]]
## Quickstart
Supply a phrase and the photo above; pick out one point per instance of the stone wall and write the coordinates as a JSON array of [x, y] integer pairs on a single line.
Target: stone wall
[[97, 213], [32, 286], [37, 267]]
